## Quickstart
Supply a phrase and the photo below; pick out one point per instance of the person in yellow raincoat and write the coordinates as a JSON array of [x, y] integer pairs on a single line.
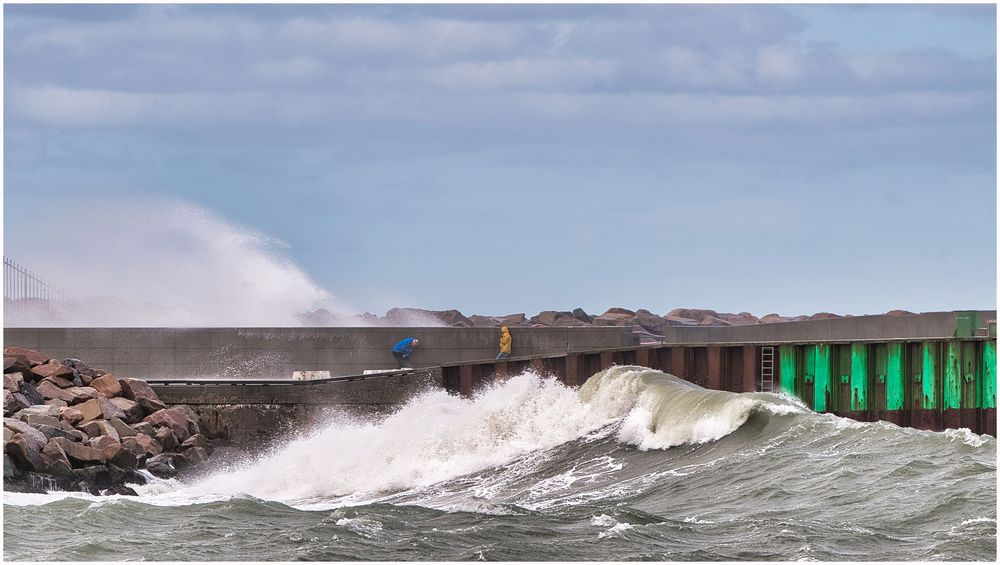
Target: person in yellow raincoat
[[504, 343]]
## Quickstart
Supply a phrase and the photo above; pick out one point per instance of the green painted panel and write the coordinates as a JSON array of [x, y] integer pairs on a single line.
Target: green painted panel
[[859, 376], [989, 398], [821, 380], [787, 353], [928, 374], [894, 377], [969, 373], [952, 376]]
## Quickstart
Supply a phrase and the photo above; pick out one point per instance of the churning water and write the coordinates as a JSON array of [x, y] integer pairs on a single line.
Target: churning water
[[636, 465]]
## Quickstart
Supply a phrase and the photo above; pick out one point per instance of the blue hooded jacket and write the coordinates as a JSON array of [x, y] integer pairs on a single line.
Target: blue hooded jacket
[[404, 346]]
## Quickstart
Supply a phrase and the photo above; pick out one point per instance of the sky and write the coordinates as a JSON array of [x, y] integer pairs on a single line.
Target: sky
[[506, 158]]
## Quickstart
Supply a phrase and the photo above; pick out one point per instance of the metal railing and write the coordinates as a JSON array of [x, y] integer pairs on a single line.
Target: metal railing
[[24, 291]]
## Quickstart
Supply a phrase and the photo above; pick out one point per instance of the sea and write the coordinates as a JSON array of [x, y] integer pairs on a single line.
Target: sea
[[635, 465]]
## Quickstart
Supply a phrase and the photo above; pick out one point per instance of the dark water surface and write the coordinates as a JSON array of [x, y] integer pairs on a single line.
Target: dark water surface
[[636, 466]]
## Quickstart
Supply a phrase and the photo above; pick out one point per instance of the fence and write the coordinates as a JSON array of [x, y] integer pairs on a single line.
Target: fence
[[25, 293]]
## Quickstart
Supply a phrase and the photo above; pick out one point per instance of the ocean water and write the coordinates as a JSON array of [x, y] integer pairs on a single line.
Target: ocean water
[[636, 465]]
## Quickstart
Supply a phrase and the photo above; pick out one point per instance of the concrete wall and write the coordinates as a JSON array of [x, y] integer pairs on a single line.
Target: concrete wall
[[164, 353], [879, 327]]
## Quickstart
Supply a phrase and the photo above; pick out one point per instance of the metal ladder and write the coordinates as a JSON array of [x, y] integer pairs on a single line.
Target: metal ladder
[[766, 369]]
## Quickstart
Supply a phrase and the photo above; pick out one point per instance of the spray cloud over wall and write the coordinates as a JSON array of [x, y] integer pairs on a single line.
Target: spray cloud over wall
[[162, 263]]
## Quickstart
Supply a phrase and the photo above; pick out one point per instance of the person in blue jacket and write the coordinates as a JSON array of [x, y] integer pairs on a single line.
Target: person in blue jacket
[[402, 350]]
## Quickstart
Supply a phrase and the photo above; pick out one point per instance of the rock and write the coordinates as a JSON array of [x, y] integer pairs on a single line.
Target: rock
[[514, 320], [12, 403], [197, 440], [55, 371], [25, 453], [143, 428], [59, 461], [483, 321], [81, 368], [741, 319], [899, 313], [8, 467], [150, 406], [74, 434], [649, 321], [147, 445], [71, 415], [162, 465], [25, 429], [581, 315], [53, 431], [31, 393], [824, 316], [102, 442], [110, 409], [549, 317], [36, 420], [80, 394], [174, 418], [7, 433], [39, 410], [191, 457], [91, 409], [79, 453], [57, 403], [118, 455], [134, 389], [107, 385], [15, 365], [27, 356], [59, 381], [97, 428], [85, 380], [12, 381], [123, 429], [167, 438], [133, 412], [96, 476]]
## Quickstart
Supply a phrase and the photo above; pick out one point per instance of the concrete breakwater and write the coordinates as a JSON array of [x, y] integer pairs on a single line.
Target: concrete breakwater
[[70, 427]]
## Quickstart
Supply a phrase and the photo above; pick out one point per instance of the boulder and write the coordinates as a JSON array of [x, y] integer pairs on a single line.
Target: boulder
[[98, 477], [162, 465], [167, 438], [581, 315], [54, 431], [824, 316], [39, 410], [143, 428], [899, 313], [55, 371], [107, 385], [15, 365], [36, 420], [133, 412], [12, 381], [71, 415], [147, 445], [9, 433], [197, 440], [80, 394], [57, 403], [31, 393], [98, 428], [117, 454], [25, 453], [149, 406], [514, 320], [81, 368], [74, 434], [91, 409], [191, 457], [8, 467], [13, 402], [649, 321], [102, 442], [174, 418], [741, 319], [134, 389], [568, 322], [59, 463], [27, 356], [547, 318], [79, 453], [483, 321], [123, 429], [25, 429], [60, 381]]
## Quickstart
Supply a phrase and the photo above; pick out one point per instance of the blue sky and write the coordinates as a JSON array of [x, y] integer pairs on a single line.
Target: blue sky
[[498, 159]]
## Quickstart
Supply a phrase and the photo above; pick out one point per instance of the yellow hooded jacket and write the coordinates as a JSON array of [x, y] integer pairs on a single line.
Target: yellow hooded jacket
[[505, 340]]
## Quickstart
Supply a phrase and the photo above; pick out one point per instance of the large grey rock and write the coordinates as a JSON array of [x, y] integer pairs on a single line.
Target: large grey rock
[[102, 442], [97, 428], [31, 393], [15, 365], [143, 428], [26, 453], [197, 440], [39, 410], [117, 454], [8, 467], [167, 438], [150, 405], [123, 429], [57, 403], [146, 445], [191, 457], [36, 420], [56, 431], [59, 463]]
